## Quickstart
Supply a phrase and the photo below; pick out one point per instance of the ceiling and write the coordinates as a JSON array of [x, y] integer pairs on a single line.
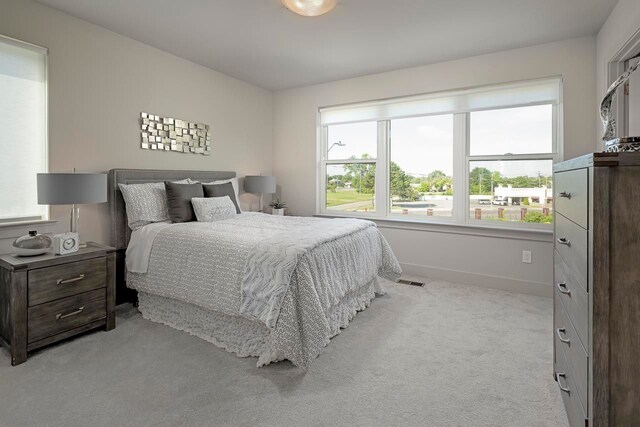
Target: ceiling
[[261, 42]]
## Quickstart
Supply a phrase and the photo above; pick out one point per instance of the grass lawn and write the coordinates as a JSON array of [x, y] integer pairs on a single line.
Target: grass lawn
[[342, 197]]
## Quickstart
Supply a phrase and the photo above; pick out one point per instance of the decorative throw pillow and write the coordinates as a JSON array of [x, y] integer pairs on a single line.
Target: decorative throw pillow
[[179, 200], [210, 209], [234, 183], [145, 203], [221, 190]]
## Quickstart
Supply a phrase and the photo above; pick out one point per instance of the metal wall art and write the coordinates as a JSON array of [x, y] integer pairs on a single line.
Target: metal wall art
[[167, 134]]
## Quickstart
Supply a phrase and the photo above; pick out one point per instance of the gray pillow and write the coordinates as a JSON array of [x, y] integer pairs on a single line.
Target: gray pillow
[[221, 190], [179, 200]]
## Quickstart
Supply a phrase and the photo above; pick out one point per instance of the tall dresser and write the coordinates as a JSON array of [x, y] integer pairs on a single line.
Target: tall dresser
[[597, 288]]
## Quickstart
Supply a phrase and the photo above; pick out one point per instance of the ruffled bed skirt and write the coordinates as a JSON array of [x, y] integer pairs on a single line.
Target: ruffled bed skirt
[[236, 334]]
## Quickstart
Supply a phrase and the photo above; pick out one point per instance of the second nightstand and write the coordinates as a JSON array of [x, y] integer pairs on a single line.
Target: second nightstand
[[47, 298]]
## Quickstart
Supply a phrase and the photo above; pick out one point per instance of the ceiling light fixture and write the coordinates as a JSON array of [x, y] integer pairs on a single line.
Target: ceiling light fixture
[[310, 7]]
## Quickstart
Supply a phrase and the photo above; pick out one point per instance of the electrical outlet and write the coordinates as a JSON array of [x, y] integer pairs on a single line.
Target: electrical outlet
[[526, 257]]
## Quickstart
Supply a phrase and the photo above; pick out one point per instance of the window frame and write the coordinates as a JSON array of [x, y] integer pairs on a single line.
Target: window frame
[[461, 163], [13, 221]]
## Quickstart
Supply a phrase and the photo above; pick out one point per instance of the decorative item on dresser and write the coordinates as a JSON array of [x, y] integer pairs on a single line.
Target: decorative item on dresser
[[31, 244], [612, 142], [597, 288], [48, 298]]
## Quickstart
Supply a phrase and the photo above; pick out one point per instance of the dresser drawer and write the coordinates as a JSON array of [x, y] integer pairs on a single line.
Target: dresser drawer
[[64, 314], [51, 283], [574, 298], [565, 381], [571, 197], [576, 356], [572, 245]]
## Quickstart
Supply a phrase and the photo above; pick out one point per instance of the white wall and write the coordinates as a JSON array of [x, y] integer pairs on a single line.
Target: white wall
[[470, 258], [622, 25], [99, 82]]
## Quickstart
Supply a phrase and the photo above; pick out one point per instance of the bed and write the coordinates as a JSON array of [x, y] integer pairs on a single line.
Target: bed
[[258, 285]]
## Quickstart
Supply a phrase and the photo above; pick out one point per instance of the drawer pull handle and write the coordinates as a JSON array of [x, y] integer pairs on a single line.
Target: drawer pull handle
[[60, 316], [562, 331], [562, 287], [564, 241], [565, 389], [565, 195], [73, 279]]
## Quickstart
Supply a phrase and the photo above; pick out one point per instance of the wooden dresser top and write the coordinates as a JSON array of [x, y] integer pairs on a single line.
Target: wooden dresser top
[[599, 160]]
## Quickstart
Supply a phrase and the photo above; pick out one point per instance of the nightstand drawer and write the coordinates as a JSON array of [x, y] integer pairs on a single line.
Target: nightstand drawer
[[52, 283], [61, 315]]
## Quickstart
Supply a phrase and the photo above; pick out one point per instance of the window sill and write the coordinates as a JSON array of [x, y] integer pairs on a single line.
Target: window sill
[[25, 223], [435, 226], [12, 230]]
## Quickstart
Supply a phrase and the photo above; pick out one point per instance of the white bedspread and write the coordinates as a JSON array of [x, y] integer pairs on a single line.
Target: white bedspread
[[216, 265]]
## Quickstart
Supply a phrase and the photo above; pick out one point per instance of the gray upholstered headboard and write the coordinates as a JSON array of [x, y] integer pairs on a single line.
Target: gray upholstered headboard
[[120, 231]]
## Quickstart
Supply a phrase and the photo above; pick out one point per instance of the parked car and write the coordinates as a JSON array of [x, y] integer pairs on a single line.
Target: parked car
[[484, 201], [500, 201]]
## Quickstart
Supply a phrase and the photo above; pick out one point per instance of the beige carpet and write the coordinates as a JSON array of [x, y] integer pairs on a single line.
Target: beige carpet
[[443, 355]]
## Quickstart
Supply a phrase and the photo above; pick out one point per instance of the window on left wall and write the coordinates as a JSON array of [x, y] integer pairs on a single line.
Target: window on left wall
[[23, 129]]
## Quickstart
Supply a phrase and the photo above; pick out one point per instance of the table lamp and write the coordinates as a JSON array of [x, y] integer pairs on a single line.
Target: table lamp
[[260, 185], [72, 189]]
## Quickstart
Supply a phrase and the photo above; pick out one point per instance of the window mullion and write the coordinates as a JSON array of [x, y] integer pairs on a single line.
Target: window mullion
[[321, 200], [382, 170], [460, 181]]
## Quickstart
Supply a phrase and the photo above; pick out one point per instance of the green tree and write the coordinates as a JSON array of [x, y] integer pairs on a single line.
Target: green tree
[[480, 181], [401, 184], [361, 175]]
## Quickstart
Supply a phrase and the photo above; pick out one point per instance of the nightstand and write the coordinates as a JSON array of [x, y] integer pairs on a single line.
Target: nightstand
[[48, 298]]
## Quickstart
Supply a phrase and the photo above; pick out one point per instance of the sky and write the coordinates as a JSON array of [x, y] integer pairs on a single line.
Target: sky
[[424, 144]]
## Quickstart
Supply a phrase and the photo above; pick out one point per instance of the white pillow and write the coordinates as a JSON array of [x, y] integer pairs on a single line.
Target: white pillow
[[146, 203], [209, 209]]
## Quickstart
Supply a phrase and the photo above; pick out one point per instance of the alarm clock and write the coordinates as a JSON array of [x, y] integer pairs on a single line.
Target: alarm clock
[[66, 243]]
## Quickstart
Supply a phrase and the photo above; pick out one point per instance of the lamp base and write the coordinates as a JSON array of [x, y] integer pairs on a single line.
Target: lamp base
[[74, 218]]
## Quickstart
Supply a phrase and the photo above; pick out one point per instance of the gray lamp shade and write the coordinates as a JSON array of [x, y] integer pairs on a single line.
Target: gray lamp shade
[[260, 184], [71, 188]]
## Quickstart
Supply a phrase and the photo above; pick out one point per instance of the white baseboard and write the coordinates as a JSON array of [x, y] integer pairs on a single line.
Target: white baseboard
[[415, 271]]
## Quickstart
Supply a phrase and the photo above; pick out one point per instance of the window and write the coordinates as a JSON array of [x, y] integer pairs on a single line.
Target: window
[[421, 166], [351, 168], [23, 120], [479, 156]]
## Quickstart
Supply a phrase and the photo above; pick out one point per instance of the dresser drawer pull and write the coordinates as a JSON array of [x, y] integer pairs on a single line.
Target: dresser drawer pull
[[562, 287], [60, 316], [565, 195], [562, 331], [73, 279], [564, 241], [565, 389]]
